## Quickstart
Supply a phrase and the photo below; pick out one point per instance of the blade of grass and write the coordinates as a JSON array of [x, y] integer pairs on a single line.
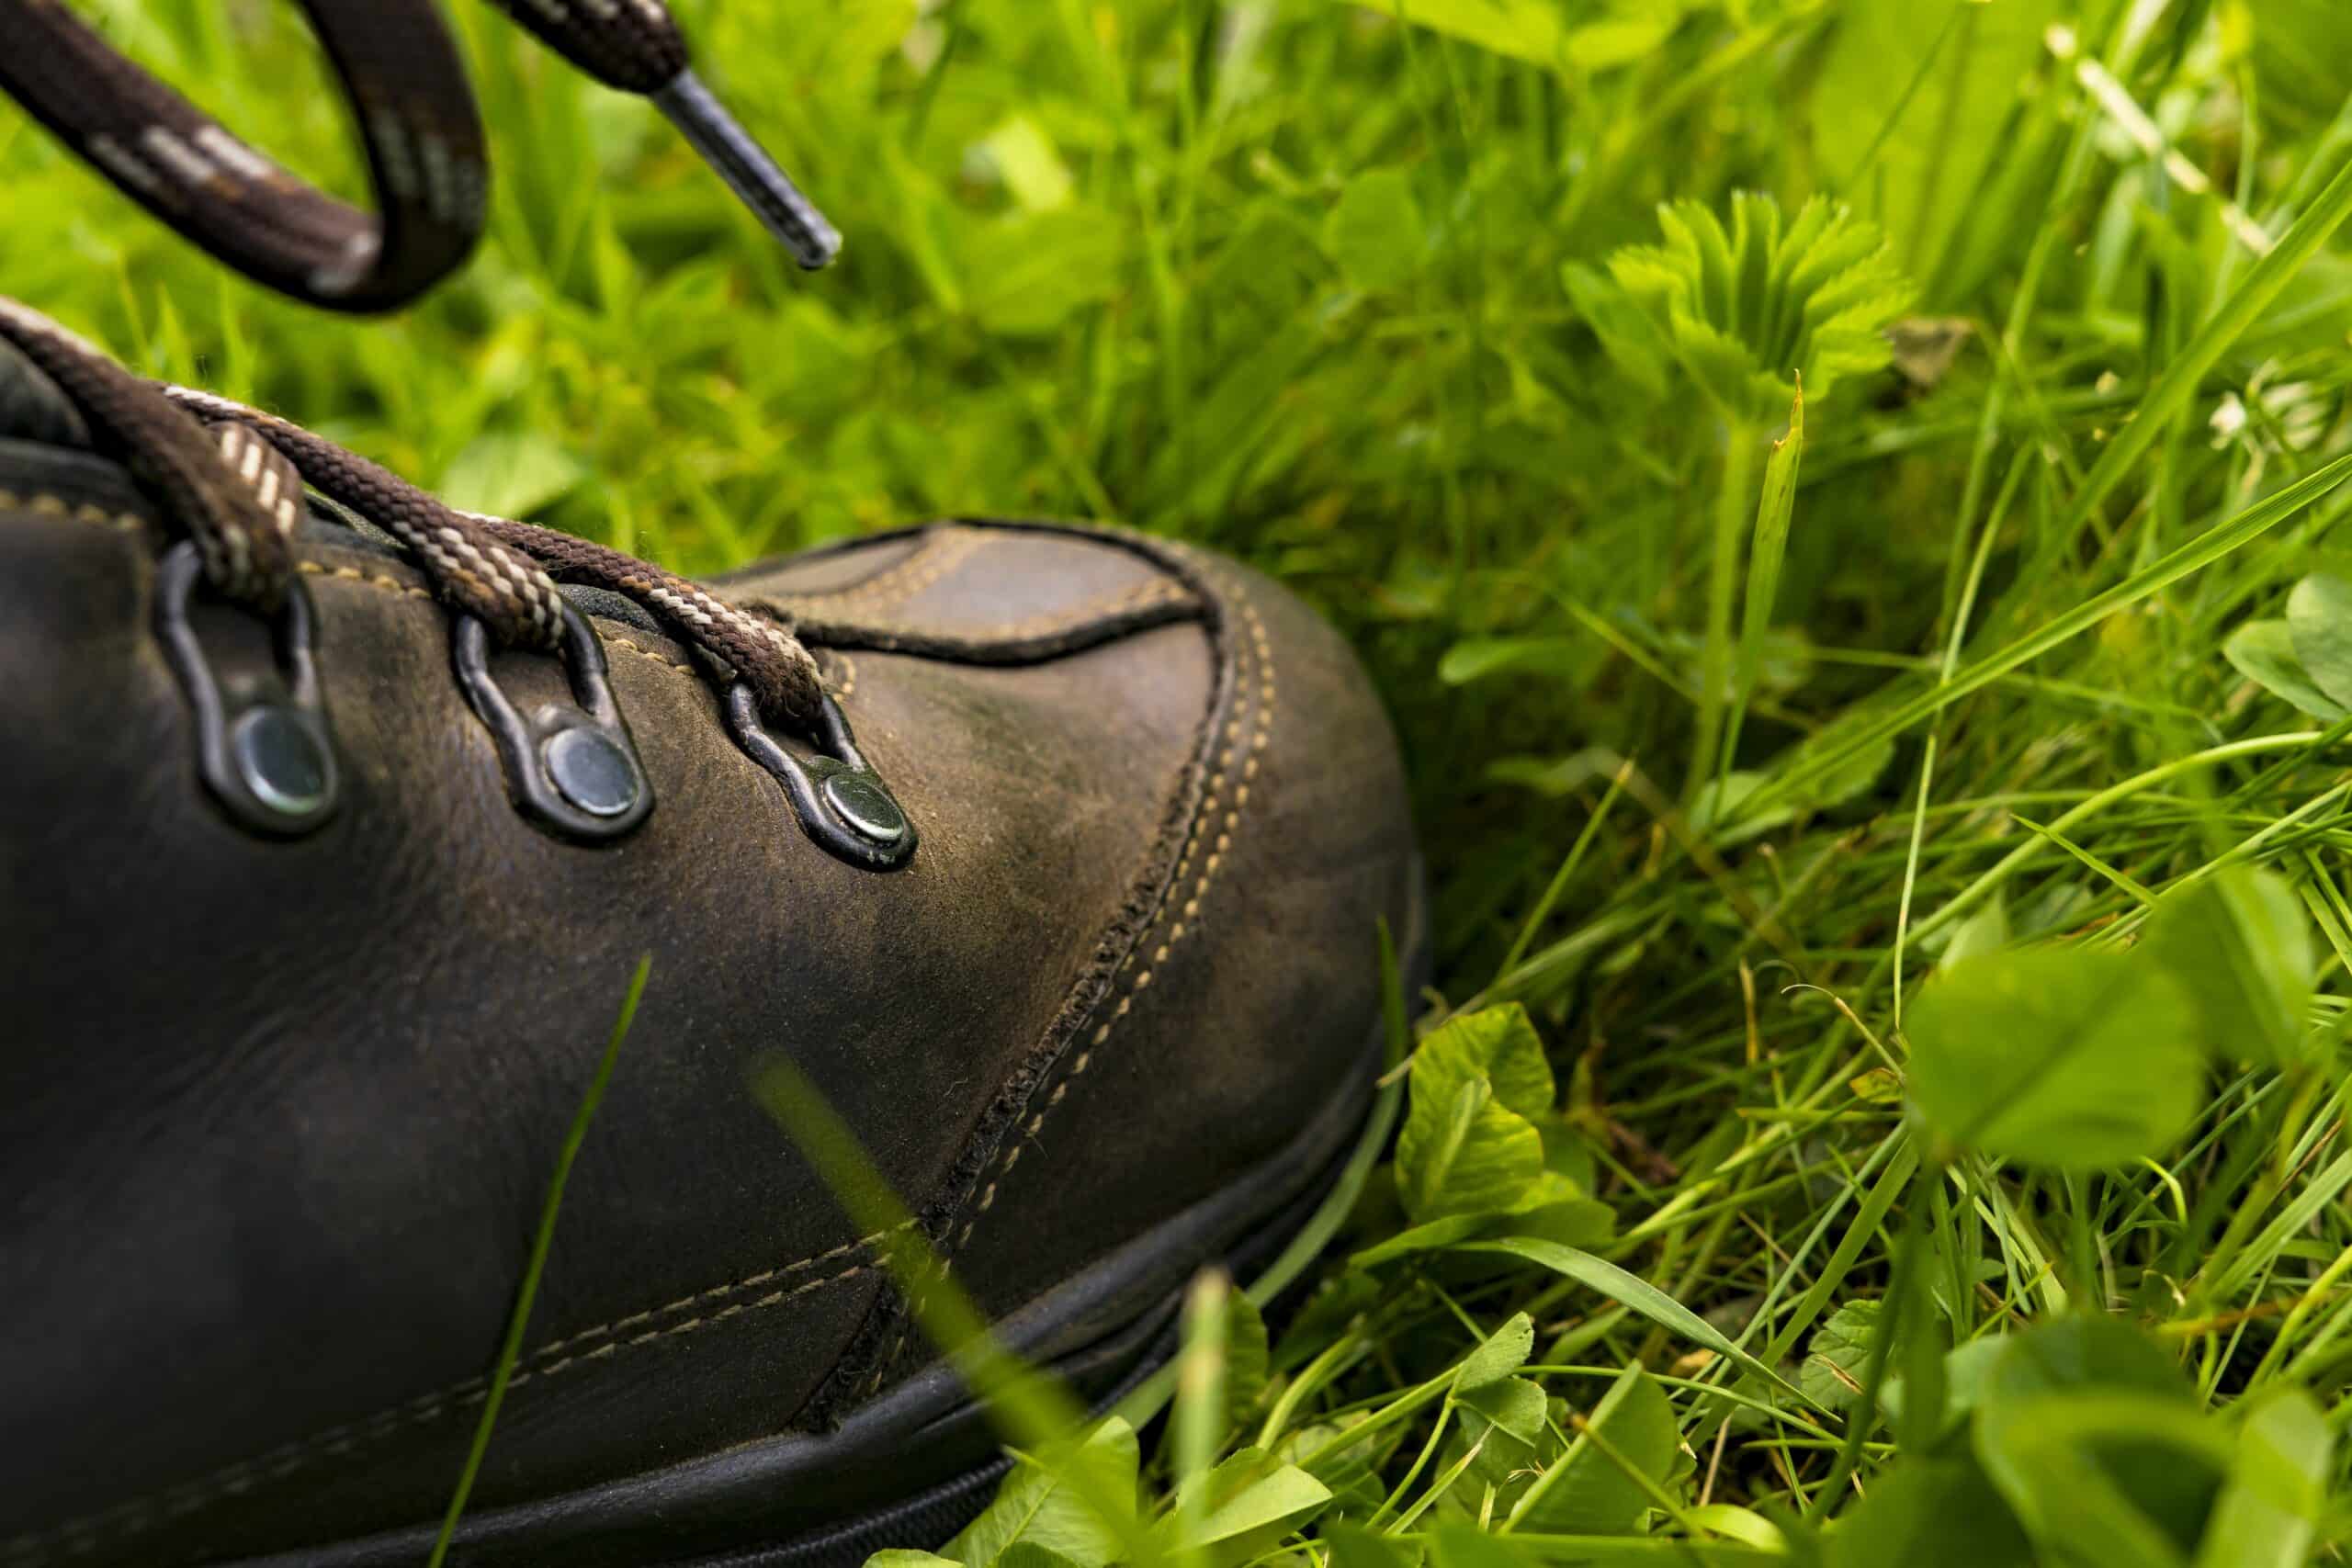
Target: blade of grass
[[519, 1320], [2263, 283], [1033, 1410], [1765, 551], [2197, 554]]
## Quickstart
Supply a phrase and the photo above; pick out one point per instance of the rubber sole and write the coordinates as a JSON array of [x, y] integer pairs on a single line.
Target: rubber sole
[[914, 1466], [928, 1519]]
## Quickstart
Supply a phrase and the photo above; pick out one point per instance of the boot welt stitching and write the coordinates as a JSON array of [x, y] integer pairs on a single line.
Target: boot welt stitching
[[1257, 659], [141, 1514], [352, 574], [41, 503]]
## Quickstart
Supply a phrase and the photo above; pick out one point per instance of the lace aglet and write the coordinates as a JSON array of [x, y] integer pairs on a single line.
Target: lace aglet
[[749, 172]]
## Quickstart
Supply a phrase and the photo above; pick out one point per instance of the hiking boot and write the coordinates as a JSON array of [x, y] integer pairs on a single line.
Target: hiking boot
[[334, 825]]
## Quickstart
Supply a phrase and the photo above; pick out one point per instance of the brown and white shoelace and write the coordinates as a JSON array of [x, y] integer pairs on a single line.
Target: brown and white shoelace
[[232, 476], [415, 114]]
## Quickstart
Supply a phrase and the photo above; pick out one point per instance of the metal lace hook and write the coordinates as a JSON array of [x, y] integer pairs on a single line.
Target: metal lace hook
[[841, 802], [262, 748], [573, 770]]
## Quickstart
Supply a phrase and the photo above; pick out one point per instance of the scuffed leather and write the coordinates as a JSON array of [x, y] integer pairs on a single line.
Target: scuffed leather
[[276, 1117]]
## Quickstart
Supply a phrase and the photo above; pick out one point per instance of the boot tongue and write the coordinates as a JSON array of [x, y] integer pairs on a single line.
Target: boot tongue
[[33, 408]]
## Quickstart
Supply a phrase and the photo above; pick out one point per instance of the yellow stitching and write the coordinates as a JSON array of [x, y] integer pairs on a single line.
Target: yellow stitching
[[128, 1518], [611, 641], [1142, 596], [1260, 652], [1263, 649], [940, 551], [41, 503], [1147, 597], [349, 574]]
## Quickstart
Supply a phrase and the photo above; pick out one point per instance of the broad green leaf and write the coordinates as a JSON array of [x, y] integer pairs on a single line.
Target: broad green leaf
[[1715, 810], [2241, 946], [1469, 1145], [1504, 1351], [2302, 58], [1571, 1222], [1987, 931], [1036, 1507], [1501, 1043], [906, 1557], [1968, 1373], [1636, 1294], [2263, 652], [1586, 1491], [509, 475], [1514, 1405], [1524, 30], [1466, 1546], [2089, 1350], [1025, 273], [1253, 1500], [1930, 1514], [1375, 231], [2319, 620], [1352, 1546], [1922, 89], [1032, 169], [1742, 1525], [2079, 1468], [2055, 1056], [1851, 775], [1029, 1554], [1634, 29], [1967, 1370], [1568, 1153], [2101, 1475], [2271, 1508], [1833, 1368], [1633, 342], [1466, 1155]]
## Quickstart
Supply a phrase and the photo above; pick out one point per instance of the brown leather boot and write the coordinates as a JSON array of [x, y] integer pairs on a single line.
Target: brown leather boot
[[332, 828]]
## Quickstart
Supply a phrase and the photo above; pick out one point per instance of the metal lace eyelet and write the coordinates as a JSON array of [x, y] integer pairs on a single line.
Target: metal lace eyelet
[[573, 771], [841, 802], [263, 747]]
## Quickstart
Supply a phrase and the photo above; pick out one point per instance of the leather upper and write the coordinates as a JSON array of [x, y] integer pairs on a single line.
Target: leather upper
[[277, 1116]]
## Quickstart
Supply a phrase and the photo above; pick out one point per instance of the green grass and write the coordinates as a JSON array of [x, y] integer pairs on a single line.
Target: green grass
[[1873, 846]]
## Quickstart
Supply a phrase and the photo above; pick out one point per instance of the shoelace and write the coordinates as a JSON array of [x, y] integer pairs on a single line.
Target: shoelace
[[416, 116], [232, 479], [232, 476]]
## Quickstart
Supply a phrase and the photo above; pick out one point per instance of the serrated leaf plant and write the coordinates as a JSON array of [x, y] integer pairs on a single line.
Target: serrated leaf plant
[[1750, 317]]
